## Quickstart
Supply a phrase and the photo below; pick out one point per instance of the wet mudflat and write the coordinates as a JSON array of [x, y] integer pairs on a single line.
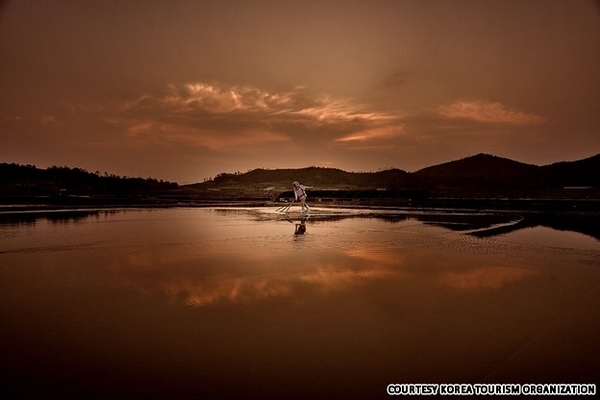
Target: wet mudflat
[[225, 303]]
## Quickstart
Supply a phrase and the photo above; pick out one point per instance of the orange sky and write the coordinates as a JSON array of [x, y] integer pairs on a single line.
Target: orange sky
[[182, 90]]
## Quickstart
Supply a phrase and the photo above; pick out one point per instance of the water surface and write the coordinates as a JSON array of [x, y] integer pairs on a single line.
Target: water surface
[[228, 302]]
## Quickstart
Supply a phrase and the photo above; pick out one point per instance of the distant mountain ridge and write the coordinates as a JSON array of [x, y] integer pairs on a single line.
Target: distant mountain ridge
[[478, 166], [574, 173], [480, 175], [312, 176], [491, 172], [478, 172], [29, 180]]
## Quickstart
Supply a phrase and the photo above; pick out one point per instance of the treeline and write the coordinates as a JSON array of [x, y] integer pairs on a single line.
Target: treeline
[[392, 178], [18, 179], [481, 175]]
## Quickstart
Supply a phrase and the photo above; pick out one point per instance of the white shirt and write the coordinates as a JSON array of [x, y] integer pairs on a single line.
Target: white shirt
[[299, 191]]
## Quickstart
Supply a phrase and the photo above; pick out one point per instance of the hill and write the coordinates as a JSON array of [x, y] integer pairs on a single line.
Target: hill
[[28, 180], [478, 176], [316, 177], [581, 173], [488, 172], [477, 167], [481, 175], [481, 171]]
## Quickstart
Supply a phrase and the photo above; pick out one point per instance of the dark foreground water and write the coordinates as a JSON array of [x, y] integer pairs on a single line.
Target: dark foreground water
[[208, 303]]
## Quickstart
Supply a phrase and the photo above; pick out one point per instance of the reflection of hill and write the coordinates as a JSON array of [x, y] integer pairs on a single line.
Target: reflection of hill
[[492, 225], [589, 226], [54, 217], [476, 224]]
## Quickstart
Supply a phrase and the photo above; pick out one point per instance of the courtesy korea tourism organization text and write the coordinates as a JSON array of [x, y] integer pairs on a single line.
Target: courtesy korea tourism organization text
[[479, 389]]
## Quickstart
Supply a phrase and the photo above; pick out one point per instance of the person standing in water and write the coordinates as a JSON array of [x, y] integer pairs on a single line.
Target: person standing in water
[[300, 194]]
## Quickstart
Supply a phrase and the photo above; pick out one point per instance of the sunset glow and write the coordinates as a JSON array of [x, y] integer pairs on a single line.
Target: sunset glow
[[183, 92]]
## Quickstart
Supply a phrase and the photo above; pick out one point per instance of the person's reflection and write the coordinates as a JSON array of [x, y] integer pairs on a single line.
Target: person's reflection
[[300, 228]]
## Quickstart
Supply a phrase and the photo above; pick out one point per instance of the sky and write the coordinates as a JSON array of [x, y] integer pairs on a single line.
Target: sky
[[182, 90]]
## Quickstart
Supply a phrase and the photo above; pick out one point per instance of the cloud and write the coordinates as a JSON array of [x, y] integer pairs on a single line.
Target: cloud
[[218, 100], [383, 132], [209, 115], [488, 113]]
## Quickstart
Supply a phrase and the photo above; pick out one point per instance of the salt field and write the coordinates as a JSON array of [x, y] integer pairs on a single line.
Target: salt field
[[225, 303]]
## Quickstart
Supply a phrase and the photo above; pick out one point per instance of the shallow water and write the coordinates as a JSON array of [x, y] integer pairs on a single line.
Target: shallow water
[[231, 302]]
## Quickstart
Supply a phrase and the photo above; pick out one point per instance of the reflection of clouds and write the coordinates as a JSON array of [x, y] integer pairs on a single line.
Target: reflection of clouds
[[485, 277], [383, 256], [240, 289], [244, 289], [227, 288], [330, 279], [250, 278]]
